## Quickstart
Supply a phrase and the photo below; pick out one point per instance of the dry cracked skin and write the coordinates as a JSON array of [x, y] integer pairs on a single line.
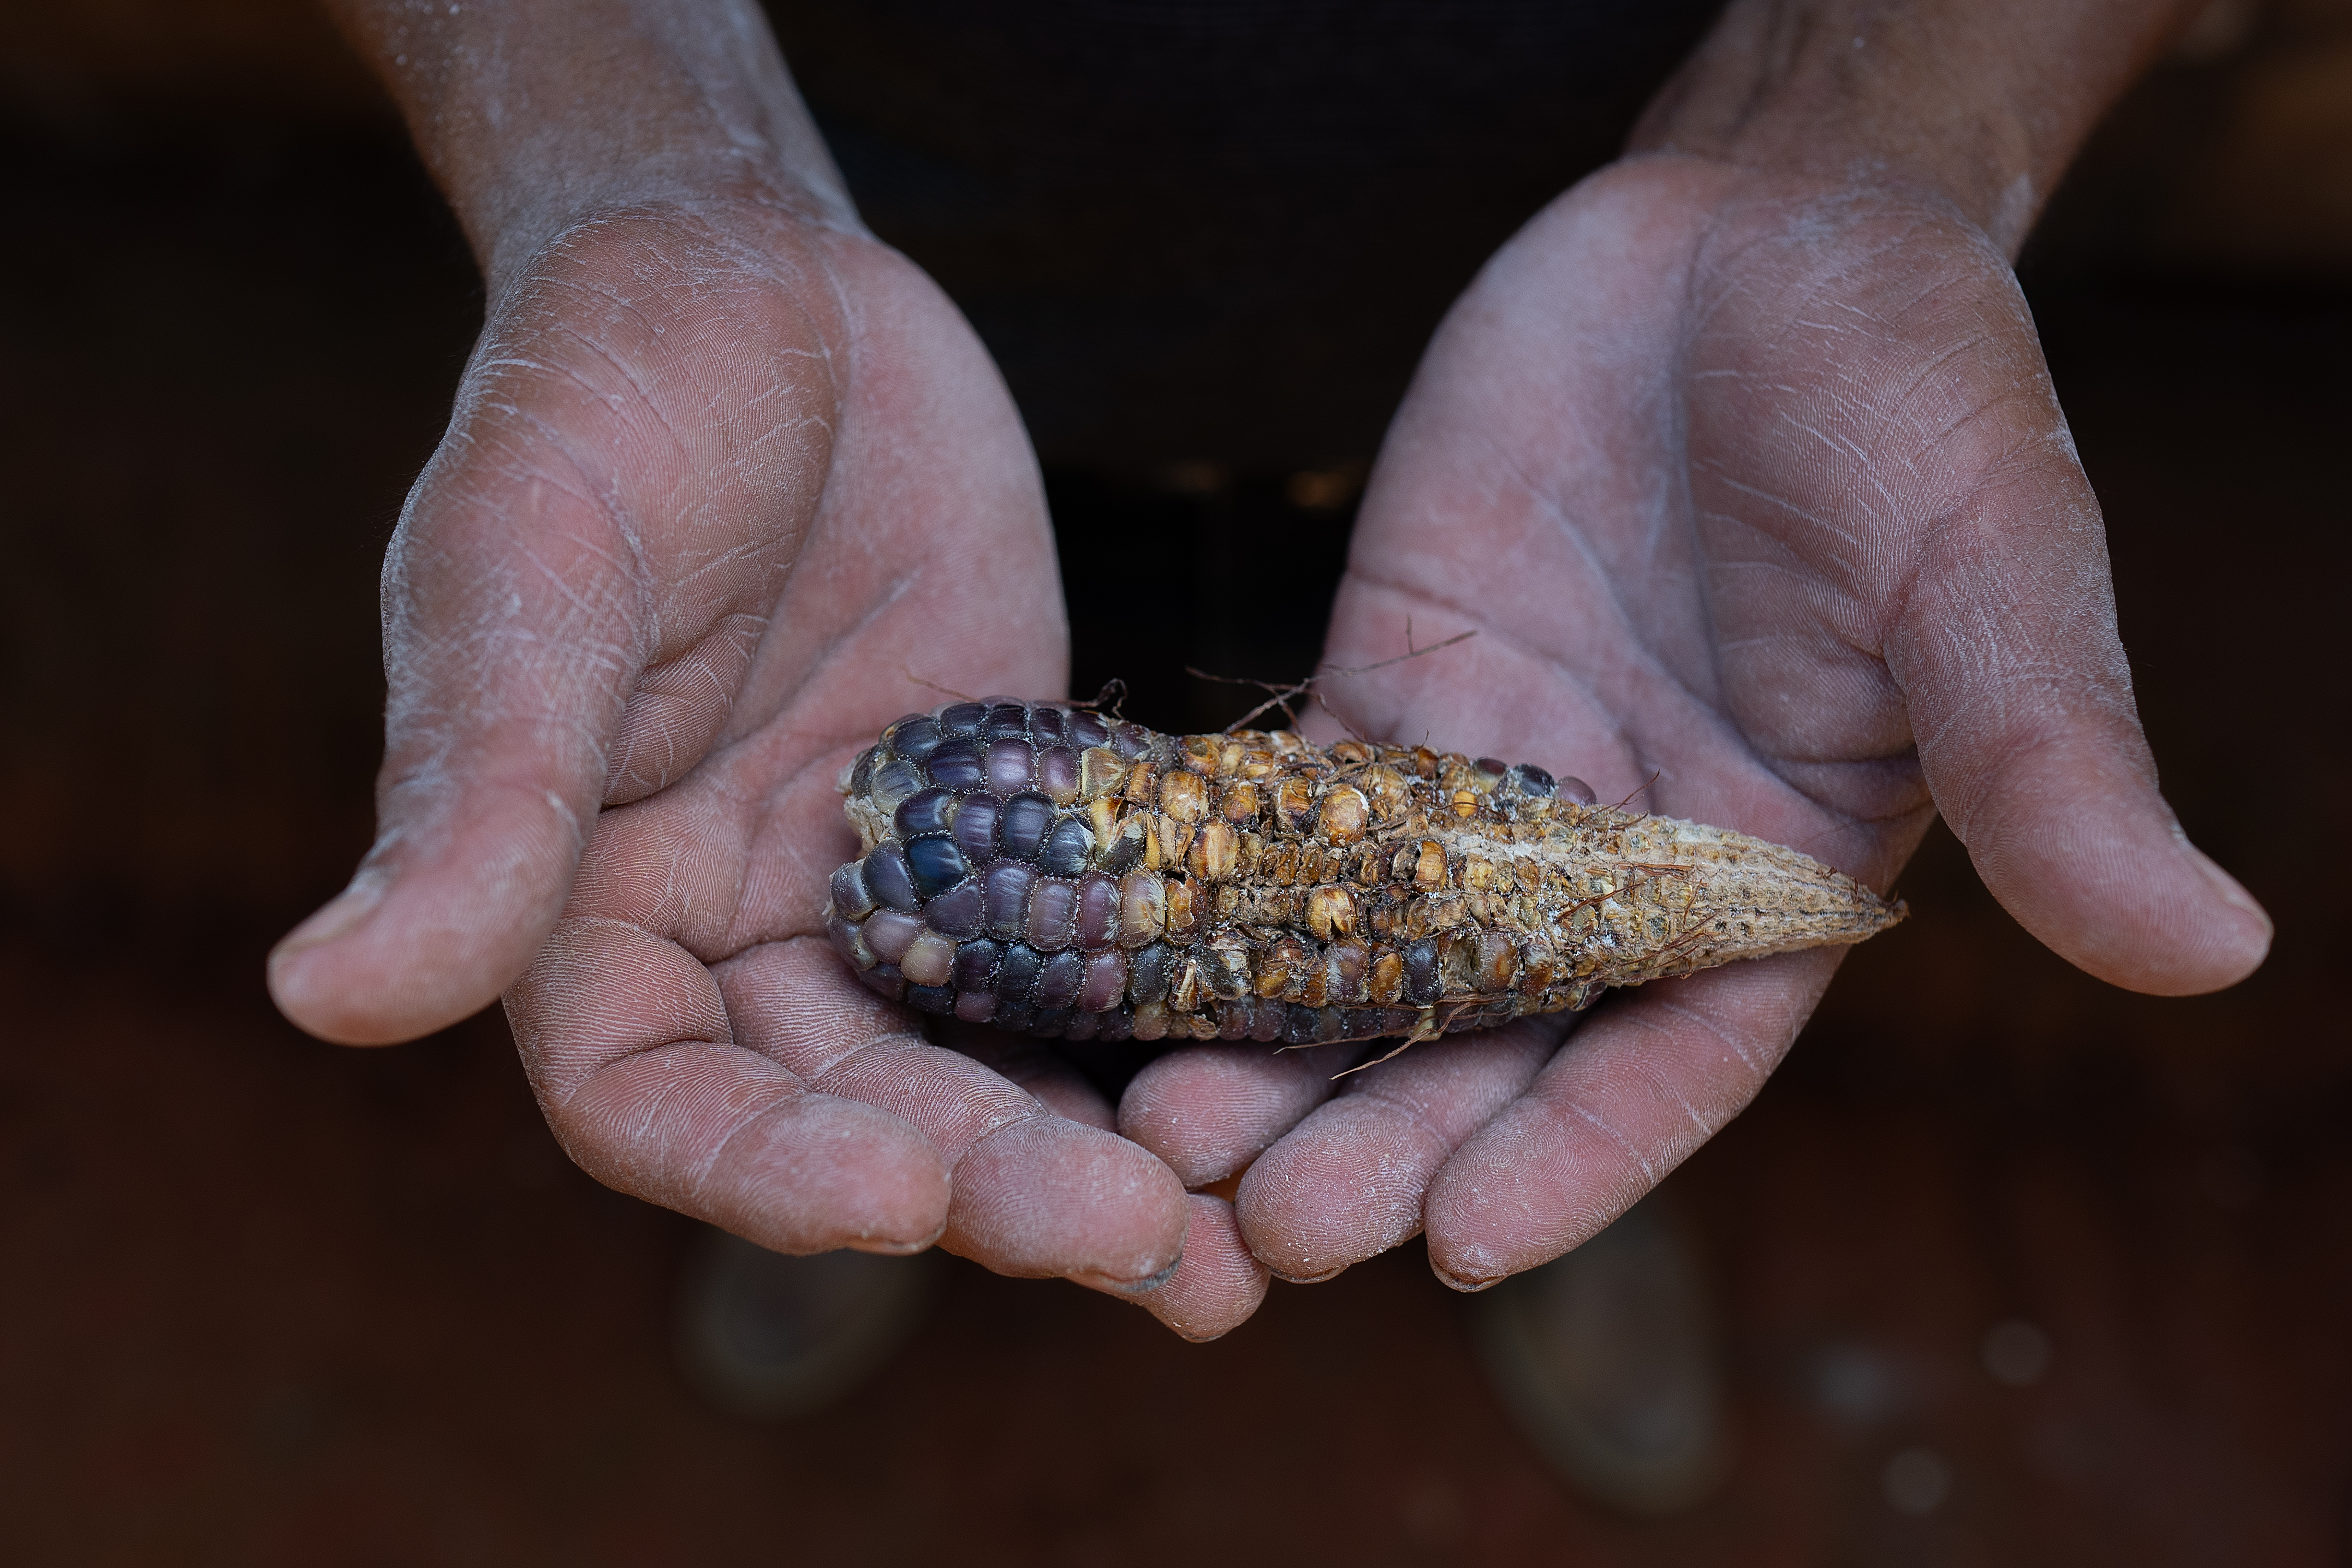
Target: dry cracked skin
[[1057, 871]]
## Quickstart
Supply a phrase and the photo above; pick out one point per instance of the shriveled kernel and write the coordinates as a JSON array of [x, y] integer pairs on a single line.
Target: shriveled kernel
[[1149, 973], [1465, 803], [1239, 804], [1429, 866], [1151, 1021], [1100, 772], [1142, 908], [1175, 838], [1346, 966], [1185, 992], [1387, 980], [1201, 753], [1183, 796], [1331, 911], [1224, 970], [1343, 815], [1127, 848], [1497, 961], [1183, 909], [1293, 802], [1142, 784], [1352, 751], [1214, 852]]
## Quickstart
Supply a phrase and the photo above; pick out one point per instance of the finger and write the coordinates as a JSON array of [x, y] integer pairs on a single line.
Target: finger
[[1349, 1180], [627, 1045], [574, 529], [1035, 1194], [1216, 1287], [1209, 1111], [1649, 1076]]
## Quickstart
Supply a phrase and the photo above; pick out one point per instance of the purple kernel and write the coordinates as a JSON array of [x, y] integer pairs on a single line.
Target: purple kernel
[[1058, 775], [1007, 720], [1050, 1022], [1233, 1020], [1576, 789], [861, 776], [851, 901], [1148, 976], [894, 782], [1299, 1024], [1115, 1025], [1081, 1026], [1020, 828], [975, 966], [885, 979], [1008, 883], [1017, 975], [1265, 1020], [931, 999], [975, 1006], [1014, 1015], [1105, 981], [1052, 915], [890, 934], [976, 828], [1493, 767], [926, 810], [937, 865], [1098, 911], [849, 942], [1066, 848], [1085, 729], [1008, 766], [961, 911], [963, 720], [955, 767], [1048, 724], [889, 879], [1058, 981], [1422, 982], [915, 738], [1532, 779]]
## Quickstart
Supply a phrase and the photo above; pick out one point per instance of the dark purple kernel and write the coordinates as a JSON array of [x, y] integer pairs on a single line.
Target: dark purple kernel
[[1082, 1027], [976, 828], [885, 979], [1266, 1021], [1149, 972], [1017, 973], [1058, 981], [1298, 1026], [1008, 883], [1422, 984], [915, 738], [1008, 766], [1492, 767], [1533, 779], [1128, 741], [931, 998], [894, 782], [1330, 1026], [1007, 721], [1106, 981], [1127, 848], [1087, 729], [1022, 826], [1014, 1015], [851, 901], [976, 1006], [861, 777], [1053, 914], [1048, 725], [926, 810], [961, 911], [937, 864], [1233, 1020], [890, 934], [889, 880], [962, 722], [848, 941], [1050, 1022], [956, 767], [1065, 848], [1577, 790], [1057, 773], [975, 966], [1098, 911], [1116, 1025]]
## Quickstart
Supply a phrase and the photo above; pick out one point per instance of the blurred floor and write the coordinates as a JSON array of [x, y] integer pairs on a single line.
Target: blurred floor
[[268, 1303]]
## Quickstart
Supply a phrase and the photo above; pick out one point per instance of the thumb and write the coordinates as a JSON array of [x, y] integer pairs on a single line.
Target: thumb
[[2021, 700], [509, 639]]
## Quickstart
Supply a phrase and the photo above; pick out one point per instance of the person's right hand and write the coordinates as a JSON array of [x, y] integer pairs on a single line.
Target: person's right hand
[[722, 485]]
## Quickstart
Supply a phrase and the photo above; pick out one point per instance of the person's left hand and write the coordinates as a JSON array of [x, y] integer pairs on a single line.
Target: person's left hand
[[1757, 485]]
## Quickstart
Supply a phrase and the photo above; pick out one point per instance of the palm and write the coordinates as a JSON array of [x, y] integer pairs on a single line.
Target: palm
[[1733, 484], [717, 496]]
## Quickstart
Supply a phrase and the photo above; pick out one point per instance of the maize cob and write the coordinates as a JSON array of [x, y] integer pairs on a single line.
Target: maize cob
[[1060, 872]]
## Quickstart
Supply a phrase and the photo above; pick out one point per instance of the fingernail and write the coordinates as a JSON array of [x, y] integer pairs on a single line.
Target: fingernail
[[338, 917], [1467, 1287], [1130, 1287], [1308, 1278], [884, 1247]]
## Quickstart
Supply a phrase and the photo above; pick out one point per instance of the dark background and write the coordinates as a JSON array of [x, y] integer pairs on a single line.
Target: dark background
[[263, 1301]]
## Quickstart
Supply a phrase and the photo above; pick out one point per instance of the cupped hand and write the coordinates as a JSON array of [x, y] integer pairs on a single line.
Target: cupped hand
[[1758, 497], [722, 488]]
